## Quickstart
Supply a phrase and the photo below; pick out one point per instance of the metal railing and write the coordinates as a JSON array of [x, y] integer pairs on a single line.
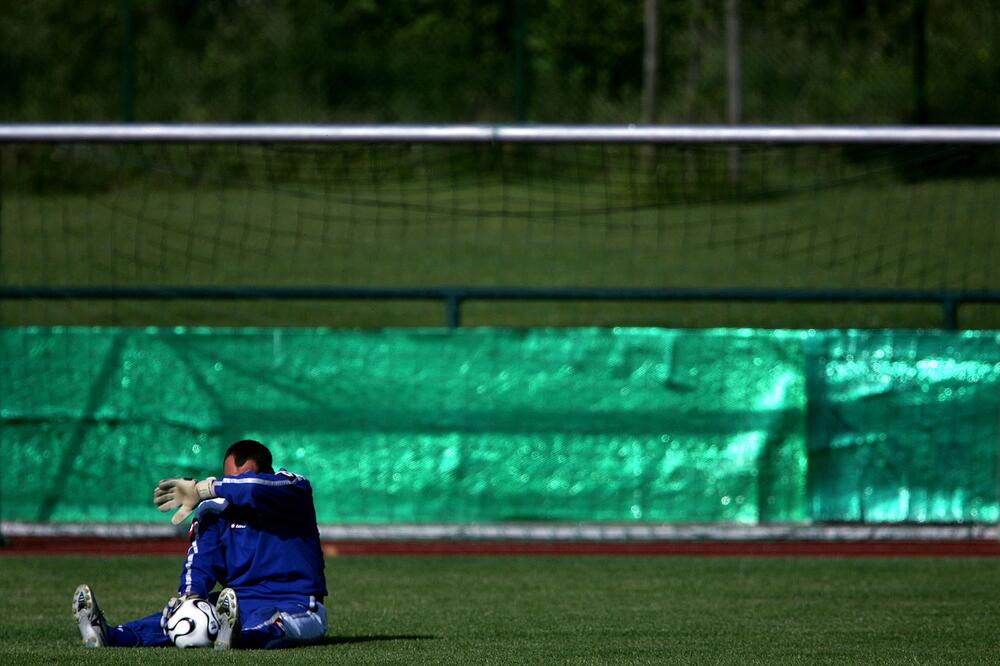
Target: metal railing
[[454, 297]]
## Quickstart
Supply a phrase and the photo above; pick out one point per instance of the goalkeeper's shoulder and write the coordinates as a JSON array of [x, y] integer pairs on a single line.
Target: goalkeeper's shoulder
[[280, 478], [285, 474], [267, 487]]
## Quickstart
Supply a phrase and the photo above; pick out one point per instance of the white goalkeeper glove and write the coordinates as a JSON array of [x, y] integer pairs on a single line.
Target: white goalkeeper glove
[[182, 494]]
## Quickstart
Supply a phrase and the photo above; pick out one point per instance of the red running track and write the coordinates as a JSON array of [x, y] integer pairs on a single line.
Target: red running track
[[891, 548]]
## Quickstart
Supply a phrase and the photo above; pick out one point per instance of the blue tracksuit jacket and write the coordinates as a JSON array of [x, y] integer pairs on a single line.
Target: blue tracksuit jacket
[[259, 537]]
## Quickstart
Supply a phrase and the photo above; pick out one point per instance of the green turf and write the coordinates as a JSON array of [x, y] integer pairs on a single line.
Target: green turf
[[597, 610]]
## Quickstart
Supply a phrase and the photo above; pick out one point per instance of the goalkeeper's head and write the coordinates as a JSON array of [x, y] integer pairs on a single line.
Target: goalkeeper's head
[[247, 455]]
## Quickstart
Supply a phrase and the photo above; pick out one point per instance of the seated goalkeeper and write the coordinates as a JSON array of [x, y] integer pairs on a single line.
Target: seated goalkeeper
[[255, 533]]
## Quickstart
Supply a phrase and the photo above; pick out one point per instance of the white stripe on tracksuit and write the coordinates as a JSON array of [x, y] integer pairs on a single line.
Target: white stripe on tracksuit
[[307, 626], [301, 627], [192, 551], [262, 482]]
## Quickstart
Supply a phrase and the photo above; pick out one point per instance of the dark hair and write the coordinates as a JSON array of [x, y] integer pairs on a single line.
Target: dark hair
[[251, 449]]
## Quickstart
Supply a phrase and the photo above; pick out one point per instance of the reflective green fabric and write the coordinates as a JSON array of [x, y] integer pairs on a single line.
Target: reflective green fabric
[[489, 425], [903, 426]]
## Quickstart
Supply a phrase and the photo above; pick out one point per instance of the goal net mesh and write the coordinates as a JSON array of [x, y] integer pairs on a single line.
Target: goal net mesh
[[393, 215]]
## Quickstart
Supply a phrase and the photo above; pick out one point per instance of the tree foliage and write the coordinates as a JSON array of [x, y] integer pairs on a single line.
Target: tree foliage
[[453, 60]]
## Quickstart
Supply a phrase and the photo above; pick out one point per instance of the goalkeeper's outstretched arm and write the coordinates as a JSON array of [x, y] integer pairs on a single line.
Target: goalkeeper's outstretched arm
[[282, 495], [249, 481]]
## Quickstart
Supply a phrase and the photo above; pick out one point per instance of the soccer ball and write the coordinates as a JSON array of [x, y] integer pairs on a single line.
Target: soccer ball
[[193, 624]]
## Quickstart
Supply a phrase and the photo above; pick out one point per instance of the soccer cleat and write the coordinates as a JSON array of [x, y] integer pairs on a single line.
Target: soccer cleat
[[89, 618], [227, 610]]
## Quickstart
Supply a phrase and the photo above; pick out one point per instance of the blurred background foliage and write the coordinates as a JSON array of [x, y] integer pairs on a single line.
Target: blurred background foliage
[[803, 61]]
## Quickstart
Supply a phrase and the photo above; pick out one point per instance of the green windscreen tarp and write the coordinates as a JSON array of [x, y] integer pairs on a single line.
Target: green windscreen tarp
[[430, 426]]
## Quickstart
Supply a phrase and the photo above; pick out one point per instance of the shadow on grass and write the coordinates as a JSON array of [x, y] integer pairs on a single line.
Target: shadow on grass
[[344, 640]]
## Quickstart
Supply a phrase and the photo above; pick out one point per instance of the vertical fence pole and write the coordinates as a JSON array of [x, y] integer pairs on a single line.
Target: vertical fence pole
[[950, 306], [650, 61], [128, 58], [920, 109], [520, 64], [734, 75], [455, 299]]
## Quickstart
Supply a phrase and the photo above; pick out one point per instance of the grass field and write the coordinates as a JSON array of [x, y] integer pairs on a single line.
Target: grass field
[[596, 610]]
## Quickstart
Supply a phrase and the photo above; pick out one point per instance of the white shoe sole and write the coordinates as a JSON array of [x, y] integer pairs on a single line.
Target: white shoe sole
[[227, 610], [87, 614]]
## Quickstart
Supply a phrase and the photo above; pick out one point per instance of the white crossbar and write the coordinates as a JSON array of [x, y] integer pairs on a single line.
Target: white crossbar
[[471, 133]]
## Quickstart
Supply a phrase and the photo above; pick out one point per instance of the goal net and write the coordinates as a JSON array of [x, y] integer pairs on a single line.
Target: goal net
[[824, 219]]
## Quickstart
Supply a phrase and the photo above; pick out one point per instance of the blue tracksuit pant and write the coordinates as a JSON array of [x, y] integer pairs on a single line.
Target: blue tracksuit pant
[[263, 624]]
